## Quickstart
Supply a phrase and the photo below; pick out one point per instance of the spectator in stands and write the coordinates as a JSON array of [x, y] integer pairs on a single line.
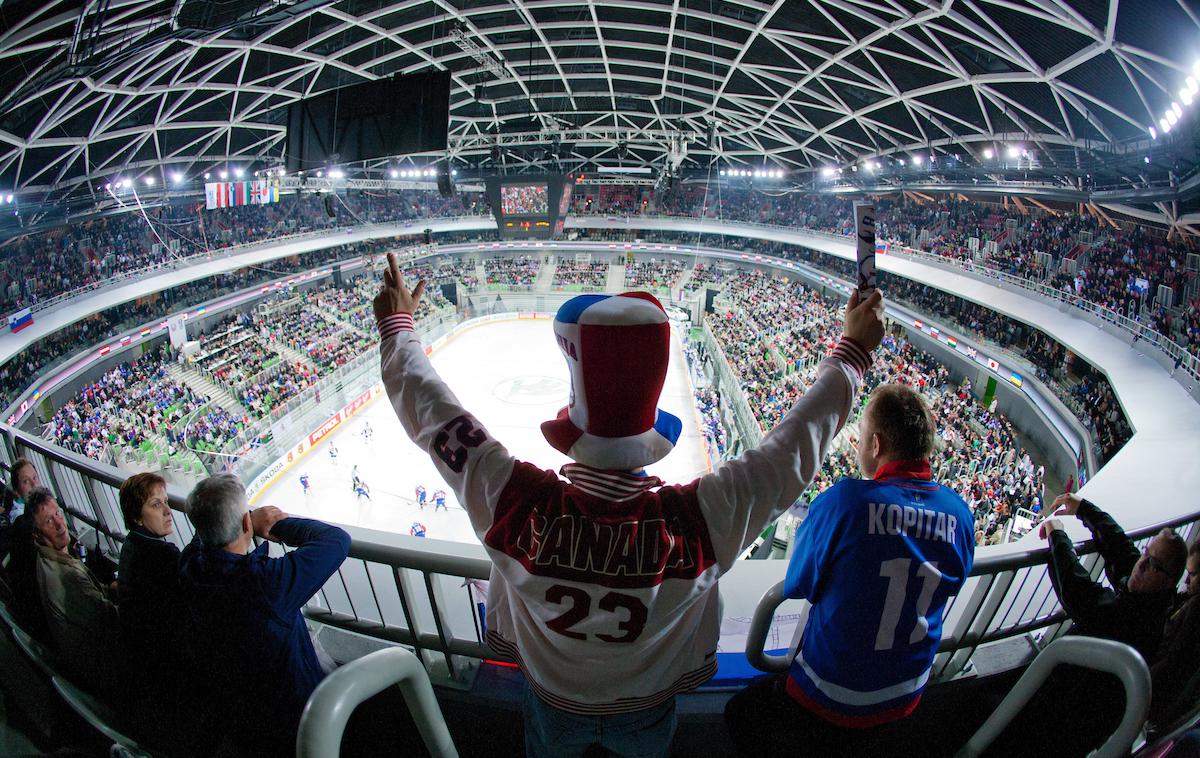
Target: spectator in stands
[[23, 480], [878, 558], [563, 548], [1134, 607], [257, 662], [80, 611], [152, 615], [1176, 672]]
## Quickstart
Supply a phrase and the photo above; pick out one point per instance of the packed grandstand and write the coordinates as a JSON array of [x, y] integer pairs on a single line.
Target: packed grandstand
[[910, 291]]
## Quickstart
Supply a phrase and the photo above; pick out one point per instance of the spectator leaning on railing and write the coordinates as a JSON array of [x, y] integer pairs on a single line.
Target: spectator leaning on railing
[[604, 586], [878, 558], [256, 662]]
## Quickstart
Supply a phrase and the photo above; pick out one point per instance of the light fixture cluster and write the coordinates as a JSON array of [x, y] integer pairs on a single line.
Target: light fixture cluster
[[1187, 95], [745, 173]]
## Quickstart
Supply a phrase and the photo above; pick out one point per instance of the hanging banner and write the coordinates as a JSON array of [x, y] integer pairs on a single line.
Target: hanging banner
[[233, 194]]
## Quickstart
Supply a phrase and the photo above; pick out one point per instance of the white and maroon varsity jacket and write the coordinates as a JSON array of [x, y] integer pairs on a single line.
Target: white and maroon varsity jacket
[[604, 586]]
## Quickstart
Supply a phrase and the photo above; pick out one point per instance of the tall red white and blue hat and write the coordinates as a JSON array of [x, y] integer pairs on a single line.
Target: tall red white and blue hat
[[617, 348]]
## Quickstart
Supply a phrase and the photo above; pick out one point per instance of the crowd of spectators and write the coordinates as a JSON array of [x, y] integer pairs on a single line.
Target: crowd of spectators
[[774, 331], [46, 263], [518, 273], [652, 274], [587, 275]]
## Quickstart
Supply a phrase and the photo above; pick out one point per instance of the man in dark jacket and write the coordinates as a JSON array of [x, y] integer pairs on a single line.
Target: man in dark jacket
[[1142, 583], [1131, 610], [258, 662]]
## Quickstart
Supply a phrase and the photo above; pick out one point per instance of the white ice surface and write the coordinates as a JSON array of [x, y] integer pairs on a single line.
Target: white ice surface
[[512, 377]]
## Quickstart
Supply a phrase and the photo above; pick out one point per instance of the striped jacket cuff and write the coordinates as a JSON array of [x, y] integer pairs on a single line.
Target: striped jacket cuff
[[854, 355], [394, 324]]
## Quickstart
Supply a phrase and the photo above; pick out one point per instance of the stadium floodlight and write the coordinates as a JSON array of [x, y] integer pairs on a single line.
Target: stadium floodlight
[[127, 183], [453, 172], [177, 177], [1185, 95], [1172, 118], [8, 199], [917, 160], [1177, 110], [1014, 151], [394, 173], [238, 172], [1146, 159], [1153, 133], [1165, 125], [1196, 68], [988, 153], [108, 187], [336, 173], [1193, 85], [224, 175], [207, 175], [827, 172], [149, 181]]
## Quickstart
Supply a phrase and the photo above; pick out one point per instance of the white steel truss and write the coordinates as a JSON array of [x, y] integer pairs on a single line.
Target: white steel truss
[[124, 87]]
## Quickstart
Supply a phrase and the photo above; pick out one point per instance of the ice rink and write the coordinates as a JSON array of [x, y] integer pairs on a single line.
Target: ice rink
[[510, 375]]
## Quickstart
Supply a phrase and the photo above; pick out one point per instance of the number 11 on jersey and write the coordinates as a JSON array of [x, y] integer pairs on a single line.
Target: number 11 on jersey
[[896, 572]]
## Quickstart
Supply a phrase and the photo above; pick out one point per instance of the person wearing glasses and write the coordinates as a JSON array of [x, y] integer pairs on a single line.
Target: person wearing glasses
[[1133, 608], [1175, 675]]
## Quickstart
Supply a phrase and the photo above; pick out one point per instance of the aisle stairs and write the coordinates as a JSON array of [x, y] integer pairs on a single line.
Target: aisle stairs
[[194, 378], [616, 278], [545, 278]]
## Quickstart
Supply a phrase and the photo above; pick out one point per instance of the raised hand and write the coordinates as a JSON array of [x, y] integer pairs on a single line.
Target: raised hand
[[864, 319], [394, 297]]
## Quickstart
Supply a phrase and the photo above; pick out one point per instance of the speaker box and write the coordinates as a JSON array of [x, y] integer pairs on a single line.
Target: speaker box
[[330, 210], [427, 236], [450, 292], [709, 297], [337, 275], [444, 181]]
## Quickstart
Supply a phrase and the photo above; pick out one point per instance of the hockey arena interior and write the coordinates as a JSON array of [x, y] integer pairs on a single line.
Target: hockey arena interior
[[860, 281]]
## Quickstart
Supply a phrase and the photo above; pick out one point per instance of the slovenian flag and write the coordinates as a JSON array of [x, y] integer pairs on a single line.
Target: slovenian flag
[[19, 320]]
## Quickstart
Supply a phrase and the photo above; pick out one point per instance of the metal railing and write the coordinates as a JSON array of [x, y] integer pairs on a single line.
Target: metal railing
[[427, 594], [1005, 596]]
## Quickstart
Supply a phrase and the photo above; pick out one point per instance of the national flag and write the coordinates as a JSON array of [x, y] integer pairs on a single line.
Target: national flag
[[36, 394], [144, 332], [881, 247], [972, 352], [1015, 378], [934, 331], [126, 339], [918, 323], [200, 311], [104, 350], [19, 320], [951, 342], [993, 364]]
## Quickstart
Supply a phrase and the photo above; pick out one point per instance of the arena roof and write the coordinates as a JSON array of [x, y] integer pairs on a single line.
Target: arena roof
[[90, 89]]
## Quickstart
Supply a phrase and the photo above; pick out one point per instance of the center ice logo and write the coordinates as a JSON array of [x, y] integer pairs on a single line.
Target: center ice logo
[[531, 390]]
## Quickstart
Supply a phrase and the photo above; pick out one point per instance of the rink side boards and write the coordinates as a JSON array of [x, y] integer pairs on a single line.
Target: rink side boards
[[311, 440]]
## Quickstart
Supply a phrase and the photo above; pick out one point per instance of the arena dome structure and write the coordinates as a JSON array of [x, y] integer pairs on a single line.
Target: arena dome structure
[[1034, 162]]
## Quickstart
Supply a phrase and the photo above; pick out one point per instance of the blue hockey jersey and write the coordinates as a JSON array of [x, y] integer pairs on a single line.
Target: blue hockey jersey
[[878, 559]]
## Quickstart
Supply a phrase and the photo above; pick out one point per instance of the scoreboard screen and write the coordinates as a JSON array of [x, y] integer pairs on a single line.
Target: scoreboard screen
[[529, 206], [524, 200]]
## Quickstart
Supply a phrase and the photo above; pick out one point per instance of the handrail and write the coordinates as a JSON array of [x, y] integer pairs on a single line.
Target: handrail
[[329, 707], [984, 566], [1116, 658]]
